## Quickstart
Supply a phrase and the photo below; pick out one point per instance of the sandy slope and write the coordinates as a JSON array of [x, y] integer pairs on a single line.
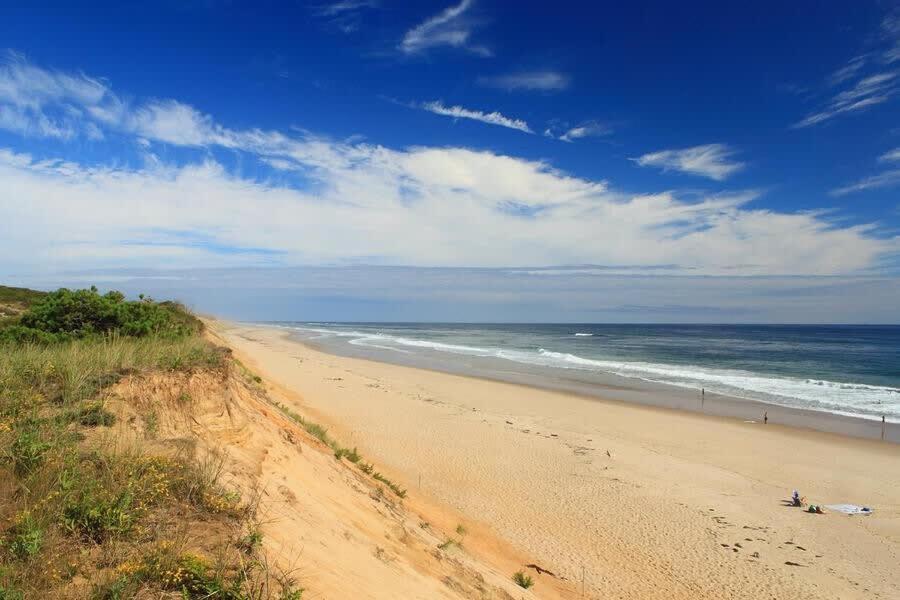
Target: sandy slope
[[334, 529], [683, 506]]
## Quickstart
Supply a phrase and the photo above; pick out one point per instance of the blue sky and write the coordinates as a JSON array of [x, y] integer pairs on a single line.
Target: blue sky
[[649, 162]]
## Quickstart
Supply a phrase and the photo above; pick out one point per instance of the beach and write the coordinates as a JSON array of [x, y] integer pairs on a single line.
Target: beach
[[636, 501]]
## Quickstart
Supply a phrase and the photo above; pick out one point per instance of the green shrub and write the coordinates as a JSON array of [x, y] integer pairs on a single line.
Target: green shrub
[[70, 314], [24, 538], [352, 455], [27, 450], [251, 542], [522, 580], [98, 514], [10, 593], [393, 486]]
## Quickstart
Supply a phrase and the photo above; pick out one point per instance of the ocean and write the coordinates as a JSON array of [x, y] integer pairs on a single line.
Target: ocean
[[843, 369]]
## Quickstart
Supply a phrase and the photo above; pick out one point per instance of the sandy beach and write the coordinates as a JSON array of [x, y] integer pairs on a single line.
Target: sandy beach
[[638, 501]]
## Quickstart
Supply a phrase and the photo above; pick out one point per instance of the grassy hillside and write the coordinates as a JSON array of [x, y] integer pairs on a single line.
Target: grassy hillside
[[14, 301], [84, 514]]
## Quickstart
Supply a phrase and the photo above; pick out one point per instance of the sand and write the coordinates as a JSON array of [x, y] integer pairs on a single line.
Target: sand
[[325, 525], [640, 502]]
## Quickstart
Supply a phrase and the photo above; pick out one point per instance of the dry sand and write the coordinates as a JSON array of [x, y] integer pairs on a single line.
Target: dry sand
[[328, 526], [642, 502]]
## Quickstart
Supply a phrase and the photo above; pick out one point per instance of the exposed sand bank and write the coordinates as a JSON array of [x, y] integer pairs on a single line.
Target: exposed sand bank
[[684, 505], [325, 524]]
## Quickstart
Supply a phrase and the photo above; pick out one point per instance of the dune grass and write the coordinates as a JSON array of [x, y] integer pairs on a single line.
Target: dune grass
[[522, 580], [321, 433], [79, 518]]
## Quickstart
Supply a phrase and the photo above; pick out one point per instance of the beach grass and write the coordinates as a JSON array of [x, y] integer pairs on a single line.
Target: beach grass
[[522, 580], [85, 518]]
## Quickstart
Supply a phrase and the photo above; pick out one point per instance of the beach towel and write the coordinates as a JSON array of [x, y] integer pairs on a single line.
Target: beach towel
[[850, 509]]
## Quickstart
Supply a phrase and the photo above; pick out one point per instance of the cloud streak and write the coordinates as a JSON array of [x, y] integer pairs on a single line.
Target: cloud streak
[[709, 160], [885, 179], [873, 82], [867, 92], [451, 27], [345, 15], [585, 130], [491, 118], [544, 81]]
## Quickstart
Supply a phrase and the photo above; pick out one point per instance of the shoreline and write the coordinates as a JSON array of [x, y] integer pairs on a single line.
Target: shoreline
[[627, 390], [645, 502]]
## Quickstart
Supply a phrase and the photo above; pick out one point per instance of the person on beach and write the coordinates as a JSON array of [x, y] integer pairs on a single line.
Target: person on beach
[[796, 500], [766, 418]]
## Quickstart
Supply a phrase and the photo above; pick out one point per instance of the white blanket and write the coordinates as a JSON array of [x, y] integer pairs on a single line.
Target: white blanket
[[850, 509]]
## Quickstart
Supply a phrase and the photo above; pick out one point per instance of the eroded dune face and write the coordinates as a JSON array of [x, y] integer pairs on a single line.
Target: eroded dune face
[[332, 527]]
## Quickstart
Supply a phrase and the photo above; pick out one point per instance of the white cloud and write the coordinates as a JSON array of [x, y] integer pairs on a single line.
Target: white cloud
[[37, 102], [423, 206], [890, 156], [869, 91], [885, 179], [545, 81], [850, 70], [342, 7], [492, 118], [709, 160], [588, 129], [175, 123], [345, 15], [451, 27], [366, 203]]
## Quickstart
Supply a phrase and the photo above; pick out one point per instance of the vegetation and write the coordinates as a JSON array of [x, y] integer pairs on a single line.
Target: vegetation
[[13, 302], [80, 518], [390, 484], [450, 542], [321, 434], [522, 580], [66, 315]]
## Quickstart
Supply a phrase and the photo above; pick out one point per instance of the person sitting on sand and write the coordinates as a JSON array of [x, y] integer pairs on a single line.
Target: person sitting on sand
[[816, 508], [796, 500]]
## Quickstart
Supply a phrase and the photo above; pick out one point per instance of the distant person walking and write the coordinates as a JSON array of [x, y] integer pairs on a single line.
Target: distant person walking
[[766, 418]]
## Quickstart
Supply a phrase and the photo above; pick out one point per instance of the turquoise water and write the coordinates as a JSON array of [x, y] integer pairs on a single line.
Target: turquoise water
[[851, 370]]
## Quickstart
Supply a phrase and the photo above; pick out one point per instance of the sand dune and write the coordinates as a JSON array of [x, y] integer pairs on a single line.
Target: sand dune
[[640, 502]]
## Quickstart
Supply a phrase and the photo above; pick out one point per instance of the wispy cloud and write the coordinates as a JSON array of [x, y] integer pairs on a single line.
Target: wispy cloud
[[545, 81], [451, 27], [363, 202], [37, 102], [709, 160], [850, 70], [345, 15], [866, 78], [890, 156], [492, 118], [342, 7], [890, 31], [885, 179], [585, 130], [869, 91]]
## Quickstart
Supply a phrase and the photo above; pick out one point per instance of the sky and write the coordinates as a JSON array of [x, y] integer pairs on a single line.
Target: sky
[[462, 160]]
